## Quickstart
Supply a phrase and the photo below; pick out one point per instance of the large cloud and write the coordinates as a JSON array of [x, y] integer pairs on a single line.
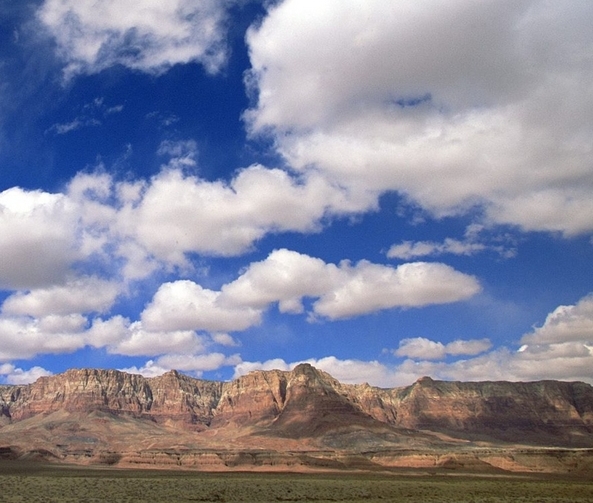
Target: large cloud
[[150, 36], [345, 290], [425, 349], [137, 226], [573, 323], [15, 375], [81, 295], [179, 213], [370, 287], [453, 104], [38, 244], [24, 337], [185, 305], [287, 277]]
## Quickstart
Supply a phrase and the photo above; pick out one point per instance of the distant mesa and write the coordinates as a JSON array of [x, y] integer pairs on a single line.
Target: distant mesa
[[301, 419]]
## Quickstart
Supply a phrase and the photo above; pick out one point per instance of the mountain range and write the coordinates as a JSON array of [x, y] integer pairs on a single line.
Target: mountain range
[[303, 419]]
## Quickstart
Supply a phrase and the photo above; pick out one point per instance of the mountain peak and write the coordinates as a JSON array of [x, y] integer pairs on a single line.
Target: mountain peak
[[305, 408]]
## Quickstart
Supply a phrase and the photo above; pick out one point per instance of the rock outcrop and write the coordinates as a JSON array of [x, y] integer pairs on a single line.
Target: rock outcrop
[[110, 415], [543, 412]]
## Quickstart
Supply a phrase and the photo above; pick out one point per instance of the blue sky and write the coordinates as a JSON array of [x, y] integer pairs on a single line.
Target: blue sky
[[384, 189]]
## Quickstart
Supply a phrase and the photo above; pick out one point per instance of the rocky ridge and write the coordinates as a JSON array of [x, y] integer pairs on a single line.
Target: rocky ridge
[[91, 413]]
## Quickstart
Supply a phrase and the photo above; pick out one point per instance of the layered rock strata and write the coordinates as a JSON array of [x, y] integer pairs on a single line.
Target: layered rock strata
[[309, 403]]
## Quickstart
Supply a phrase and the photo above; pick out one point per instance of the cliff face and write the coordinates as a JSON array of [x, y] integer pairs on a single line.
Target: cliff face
[[172, 396], [308, 403], [562, 412]]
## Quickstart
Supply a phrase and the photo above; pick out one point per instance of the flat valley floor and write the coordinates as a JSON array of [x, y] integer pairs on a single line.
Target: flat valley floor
[[35, 482]]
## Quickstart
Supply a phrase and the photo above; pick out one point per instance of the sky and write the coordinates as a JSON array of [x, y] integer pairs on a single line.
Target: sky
[[383, 189]]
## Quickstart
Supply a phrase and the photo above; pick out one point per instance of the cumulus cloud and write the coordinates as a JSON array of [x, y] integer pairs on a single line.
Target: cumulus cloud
[[345, 290], [138, 226], [128, 229], [562, 348], [38, 245], [180, 214], [198, 363], [566, 324], [368, 287], [287, 277], [453, 105], [191, 364], [185, 305], [79, 295], [14, 375], [24, 337], [94, 35], [425, 349], [141, 342], [224, 339], [149, 369]]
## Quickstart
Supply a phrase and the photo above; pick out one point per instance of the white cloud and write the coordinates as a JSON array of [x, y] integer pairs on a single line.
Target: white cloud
[[38, 245], [14, 375], [469, 347], [108, 333], [81, 295], [368, 287], [180, 214], [354, 371], [192, 364], [425, 349], [152, 36], [133, 228], [141, 342], [198, 363], [92, 115], [244, 368], [23, 337], [128, 229], [345, 290], [562, 348], [185, 305], [149, 369], [559, 357], [224, 339], [73, 125], [453, 105], [565, 324], [183, 154], [474, 241], [285, 277], [420, 347]]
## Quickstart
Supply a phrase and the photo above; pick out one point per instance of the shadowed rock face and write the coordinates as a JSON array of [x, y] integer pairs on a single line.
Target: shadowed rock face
[[552, 412], [308, 403]]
